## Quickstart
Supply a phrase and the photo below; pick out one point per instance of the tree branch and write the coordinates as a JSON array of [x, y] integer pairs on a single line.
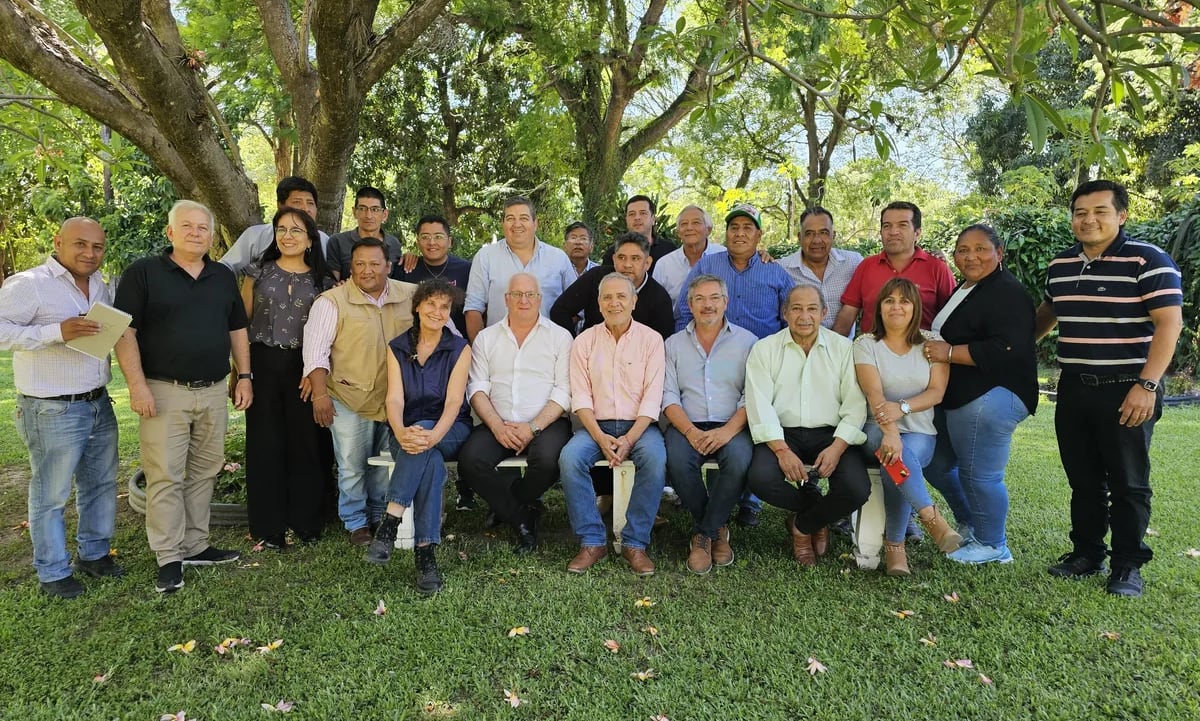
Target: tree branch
[[398, 39], [883, 15], [289, 56]]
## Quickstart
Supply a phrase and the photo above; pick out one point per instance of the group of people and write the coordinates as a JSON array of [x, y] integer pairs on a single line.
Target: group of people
[[666, 356]]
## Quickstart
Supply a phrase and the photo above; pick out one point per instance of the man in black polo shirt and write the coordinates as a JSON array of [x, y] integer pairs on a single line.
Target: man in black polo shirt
[[631, 258], [187, 317], [1118, 306]]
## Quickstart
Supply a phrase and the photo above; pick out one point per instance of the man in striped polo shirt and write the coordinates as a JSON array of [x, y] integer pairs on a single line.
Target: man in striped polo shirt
[[1118, 303]]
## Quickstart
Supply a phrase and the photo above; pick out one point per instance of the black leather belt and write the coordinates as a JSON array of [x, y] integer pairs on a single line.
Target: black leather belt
[[1091, 379], [194, 385], [73, 397]]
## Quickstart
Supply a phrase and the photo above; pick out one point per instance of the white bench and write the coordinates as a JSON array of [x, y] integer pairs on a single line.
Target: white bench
[[868, 525]]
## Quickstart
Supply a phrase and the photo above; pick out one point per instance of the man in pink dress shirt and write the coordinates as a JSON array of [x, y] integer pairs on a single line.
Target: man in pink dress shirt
[[617, 374]]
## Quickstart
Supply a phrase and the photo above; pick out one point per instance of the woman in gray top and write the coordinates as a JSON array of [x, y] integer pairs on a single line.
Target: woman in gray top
[[902, 387]]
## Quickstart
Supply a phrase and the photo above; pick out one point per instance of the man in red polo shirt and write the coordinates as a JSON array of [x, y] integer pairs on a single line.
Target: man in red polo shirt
[[899, 229]]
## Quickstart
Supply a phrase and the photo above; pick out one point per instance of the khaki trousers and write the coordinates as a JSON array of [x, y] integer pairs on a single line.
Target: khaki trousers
[[183, 449]]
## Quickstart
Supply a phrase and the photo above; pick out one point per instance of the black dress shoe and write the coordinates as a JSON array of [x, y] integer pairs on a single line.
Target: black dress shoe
[[1125, 582], [526, 540], [102, 567], [1076, 565], [68, 587]]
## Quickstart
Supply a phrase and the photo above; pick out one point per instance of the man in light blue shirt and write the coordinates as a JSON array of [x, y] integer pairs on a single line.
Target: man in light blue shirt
[[292, 192], [806, 414], [520, 252], [704, 400], [757, 290]]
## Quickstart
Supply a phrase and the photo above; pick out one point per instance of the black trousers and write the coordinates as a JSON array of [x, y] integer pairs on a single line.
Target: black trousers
[[849, 485], [505, 489], [1108, 469], [283, 460]]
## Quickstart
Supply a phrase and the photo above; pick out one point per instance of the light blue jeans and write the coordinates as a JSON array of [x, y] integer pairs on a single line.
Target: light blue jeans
[[900, 501], [980, 438], [942, 472], [361, 486], [649, 456], [418, 479], [65, 440]]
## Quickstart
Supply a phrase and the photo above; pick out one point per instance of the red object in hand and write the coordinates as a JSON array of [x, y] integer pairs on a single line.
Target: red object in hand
[[896, 470]]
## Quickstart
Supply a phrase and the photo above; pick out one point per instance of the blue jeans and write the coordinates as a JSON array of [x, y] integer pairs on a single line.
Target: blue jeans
[[649, 456], [942, 471], [899, 501], [66, 440], [981, 435], [710, 506], [361, 487], [418, 479]]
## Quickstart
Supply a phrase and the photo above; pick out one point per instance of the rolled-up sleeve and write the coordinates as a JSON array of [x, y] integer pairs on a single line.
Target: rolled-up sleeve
[[479, 380], [652, 389], [581, 384], [318, 334], [561, 392], [760, 409], [853, 410]]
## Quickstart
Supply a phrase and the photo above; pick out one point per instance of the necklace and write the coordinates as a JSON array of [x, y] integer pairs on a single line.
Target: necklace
[[430, 270]]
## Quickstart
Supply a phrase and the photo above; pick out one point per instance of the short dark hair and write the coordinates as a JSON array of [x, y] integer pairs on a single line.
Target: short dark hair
[[818, 210], [518, 200], [649, 201], [369, 243], [903, 205], [314, 256], [291, 184], [576, 226], [368, 192], [430, 288], [432, 219], [632, 237], [1119, 193], [988, 231]]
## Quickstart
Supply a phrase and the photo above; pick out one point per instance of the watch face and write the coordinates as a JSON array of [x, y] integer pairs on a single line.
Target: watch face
[[1149, 385]]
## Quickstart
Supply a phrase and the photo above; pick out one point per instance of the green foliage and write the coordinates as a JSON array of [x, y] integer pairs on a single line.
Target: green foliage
[[1178, 233]]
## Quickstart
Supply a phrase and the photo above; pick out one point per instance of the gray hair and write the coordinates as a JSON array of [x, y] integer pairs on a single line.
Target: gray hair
[[707, 278], [804, 284], [190, 205], [708, 222], [616, 276], [536, 284]]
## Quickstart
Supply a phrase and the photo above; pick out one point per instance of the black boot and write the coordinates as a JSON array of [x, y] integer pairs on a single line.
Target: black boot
[[429, 579], [526, 539], [380, 550]]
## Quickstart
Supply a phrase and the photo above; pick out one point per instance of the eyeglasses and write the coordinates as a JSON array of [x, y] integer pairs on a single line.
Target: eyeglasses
[[293, 232], [433, 237], [530, 295], [710, 298], [369, 209]]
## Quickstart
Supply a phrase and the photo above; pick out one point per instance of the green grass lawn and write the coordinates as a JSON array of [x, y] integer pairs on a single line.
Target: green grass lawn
[[732, 645]]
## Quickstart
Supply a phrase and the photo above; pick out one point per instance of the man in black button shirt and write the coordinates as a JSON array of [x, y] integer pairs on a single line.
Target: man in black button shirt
[[187, 317]]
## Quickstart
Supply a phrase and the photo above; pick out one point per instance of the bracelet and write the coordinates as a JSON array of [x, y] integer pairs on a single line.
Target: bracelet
[[777, 451], [950, 355]]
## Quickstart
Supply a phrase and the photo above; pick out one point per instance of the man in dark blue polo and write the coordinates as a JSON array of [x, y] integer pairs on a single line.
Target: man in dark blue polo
[[1118, 305]]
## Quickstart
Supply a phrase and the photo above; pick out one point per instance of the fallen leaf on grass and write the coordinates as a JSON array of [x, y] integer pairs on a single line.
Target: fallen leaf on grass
[[181, 716], [659, 717], [270, 646], [518, 631], [512, 698], [951, 597], [958, 663], [232, 467], [183, 647], [903, 614], [282, 706], [248, 565], [1110, 635], [929, 640], [112, 552], [650, 630], [102, 678], [846, 557], [1151, 532], [643, 602], [985, 680], [19, 526], [644, 675], [815, 667], [1192, 553], [449, 536], [612, 645], [381, 608], [462, 555]]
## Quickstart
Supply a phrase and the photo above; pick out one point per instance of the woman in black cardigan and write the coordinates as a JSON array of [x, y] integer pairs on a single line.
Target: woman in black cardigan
[[987, 327]]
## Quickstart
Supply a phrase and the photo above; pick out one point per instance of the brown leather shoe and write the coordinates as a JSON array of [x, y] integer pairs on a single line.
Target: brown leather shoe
[[820, 540], [586, 558], [360, 537], [722, 552], [802, 547], [638, 561], [699, 558]]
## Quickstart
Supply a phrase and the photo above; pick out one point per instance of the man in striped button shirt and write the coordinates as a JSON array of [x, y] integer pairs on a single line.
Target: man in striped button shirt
[[64, 414], [1118, 305]]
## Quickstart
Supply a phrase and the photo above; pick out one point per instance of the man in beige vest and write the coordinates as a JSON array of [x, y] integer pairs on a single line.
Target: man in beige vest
[[345, 342]]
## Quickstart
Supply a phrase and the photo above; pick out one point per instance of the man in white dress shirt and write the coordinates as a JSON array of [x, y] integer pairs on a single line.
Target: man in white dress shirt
[[64, 414], [520, 389], [693, 226]]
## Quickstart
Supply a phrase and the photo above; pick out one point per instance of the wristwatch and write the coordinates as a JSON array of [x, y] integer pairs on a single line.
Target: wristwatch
[[1148, 384], [905, 408], [535, 429], [245, 376]]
